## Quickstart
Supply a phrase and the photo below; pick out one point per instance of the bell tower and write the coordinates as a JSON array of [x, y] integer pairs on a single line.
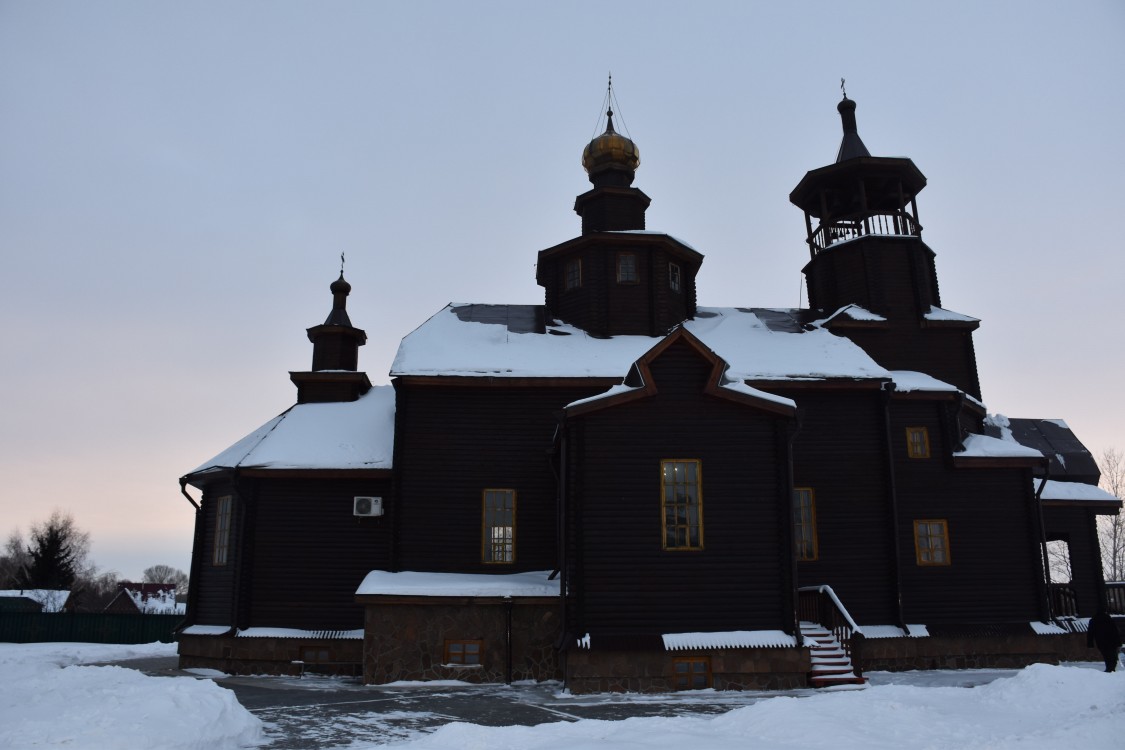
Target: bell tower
[[866, 249]]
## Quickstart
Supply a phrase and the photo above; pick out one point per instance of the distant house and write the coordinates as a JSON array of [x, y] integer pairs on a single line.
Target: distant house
[[34, 600], [146, 599], [629, 491]]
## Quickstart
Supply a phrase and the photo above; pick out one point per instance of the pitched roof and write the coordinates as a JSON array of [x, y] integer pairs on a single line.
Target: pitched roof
[[349, 435], [500, 341], [1070, 459]]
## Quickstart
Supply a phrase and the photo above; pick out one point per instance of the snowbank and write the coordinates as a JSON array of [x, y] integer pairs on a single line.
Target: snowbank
[[48, 700], [1040, 707]]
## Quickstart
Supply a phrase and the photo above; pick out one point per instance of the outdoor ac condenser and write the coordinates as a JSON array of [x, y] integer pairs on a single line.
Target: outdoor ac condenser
[[367, 506]]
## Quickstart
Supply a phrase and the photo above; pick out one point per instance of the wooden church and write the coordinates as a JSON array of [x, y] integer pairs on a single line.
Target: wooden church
[[624, 490]]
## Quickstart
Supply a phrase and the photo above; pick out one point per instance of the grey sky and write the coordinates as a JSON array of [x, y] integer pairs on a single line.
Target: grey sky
[[178, 180]]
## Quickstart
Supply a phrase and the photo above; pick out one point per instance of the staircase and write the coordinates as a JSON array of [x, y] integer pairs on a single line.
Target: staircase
[[831, 664]]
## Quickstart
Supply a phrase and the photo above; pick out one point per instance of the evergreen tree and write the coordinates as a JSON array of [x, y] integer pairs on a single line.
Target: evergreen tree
[[52, 559]]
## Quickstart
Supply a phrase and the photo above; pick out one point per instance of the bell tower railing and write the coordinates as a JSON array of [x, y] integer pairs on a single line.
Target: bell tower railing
[[896, 224]]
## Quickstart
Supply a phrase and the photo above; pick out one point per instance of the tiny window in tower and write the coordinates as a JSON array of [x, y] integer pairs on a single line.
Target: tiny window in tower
[[573, 274], [674, 282], [627, 268]]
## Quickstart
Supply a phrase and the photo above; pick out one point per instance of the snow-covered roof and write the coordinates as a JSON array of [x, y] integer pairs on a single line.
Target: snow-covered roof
[[948, 316], [1076, 491], [156, 602], [729, 639], [982, 446], [356, 634], [52, 600], [348, 435], [411, 583], [908, 380], [757, 344]]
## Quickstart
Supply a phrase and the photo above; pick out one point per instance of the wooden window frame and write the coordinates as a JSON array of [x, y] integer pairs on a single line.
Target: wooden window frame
[[489, 544], [627, 273], [800, 523], [917, 448], [572, 280], [455, 652], [694, 542], [683, 680], [675, 277], [224, 516], [923, 555]]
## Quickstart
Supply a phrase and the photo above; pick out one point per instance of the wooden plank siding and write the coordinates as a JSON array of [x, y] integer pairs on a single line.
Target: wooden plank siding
[[993, 535], [453, 443], [943, 353], [840, 453], [212, 586], [624, 582], [311, 553]]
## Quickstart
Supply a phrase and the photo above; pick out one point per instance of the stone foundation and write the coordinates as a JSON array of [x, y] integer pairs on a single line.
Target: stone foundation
[[652, 671], [276, 656], [405, 638], [970, 652]]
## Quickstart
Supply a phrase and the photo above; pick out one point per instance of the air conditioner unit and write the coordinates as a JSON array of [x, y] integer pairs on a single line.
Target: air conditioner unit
[[367, 506]]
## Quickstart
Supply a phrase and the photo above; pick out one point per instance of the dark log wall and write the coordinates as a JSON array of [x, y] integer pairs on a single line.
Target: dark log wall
[[625, 582], [604, 307], [453, 443], [993, 537], [1078, 528], [213, 585], [840, 453], [944, 353], [893, 277], [311, 553]]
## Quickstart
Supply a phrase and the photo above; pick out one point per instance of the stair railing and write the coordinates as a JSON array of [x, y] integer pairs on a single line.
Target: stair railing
[[820, 604]]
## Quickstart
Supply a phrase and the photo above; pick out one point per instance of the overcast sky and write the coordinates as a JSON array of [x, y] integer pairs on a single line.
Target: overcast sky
[[178, 180]]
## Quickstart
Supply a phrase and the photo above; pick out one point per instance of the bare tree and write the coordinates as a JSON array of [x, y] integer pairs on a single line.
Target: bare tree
[[13, 561], [167, 574], [1111, 529]]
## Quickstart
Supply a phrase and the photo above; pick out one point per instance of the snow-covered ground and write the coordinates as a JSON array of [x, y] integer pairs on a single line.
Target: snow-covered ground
[[48, 700]]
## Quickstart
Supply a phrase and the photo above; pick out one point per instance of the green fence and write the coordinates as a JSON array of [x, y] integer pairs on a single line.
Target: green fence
[[39, 627]]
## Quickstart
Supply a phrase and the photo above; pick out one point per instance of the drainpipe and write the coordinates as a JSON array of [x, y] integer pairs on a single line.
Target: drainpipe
[[508, 640], [1045, 579], [896, 563], [183, 491]]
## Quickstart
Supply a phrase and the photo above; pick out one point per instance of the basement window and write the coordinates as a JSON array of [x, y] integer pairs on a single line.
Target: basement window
[[691, 673], [463, 653]]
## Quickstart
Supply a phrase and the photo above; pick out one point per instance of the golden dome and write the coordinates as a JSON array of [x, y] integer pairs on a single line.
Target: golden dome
[[610, 150]]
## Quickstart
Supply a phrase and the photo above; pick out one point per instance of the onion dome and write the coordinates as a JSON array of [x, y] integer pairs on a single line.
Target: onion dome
[[610, 150], [340, 290], [851, 146]]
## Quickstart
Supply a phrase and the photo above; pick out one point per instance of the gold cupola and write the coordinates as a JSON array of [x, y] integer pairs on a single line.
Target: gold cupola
[[610, 150]]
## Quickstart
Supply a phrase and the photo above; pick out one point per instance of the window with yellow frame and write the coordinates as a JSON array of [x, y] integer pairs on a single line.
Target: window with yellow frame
[[498, 537], [917, 442], [681, 504], [931, 542], [804, 523]]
